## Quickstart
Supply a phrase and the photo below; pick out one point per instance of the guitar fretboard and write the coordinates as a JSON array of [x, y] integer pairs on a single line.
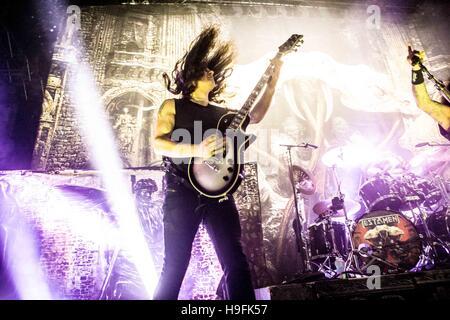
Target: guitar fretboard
[[243, 112]]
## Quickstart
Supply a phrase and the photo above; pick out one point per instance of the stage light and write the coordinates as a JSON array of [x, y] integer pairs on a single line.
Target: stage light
[[99, 138], [22, 257]]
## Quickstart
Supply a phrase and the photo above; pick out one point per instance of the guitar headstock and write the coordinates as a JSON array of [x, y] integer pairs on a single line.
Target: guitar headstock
[[291, 45]]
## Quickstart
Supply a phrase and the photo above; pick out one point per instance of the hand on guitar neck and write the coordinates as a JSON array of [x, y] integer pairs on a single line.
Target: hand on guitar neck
[[277, 64], [260, 109]]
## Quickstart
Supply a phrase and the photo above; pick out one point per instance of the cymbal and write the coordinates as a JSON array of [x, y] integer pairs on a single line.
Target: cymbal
[[304, 182], [390, 164], [429, 159], [324, 208], [342, 157], [435, 154]]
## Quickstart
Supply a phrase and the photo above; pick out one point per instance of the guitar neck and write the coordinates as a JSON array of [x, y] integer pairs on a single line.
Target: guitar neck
[[243, 112]]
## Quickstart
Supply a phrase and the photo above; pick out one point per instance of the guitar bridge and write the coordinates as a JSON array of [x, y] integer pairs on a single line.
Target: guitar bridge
[[212, 163]]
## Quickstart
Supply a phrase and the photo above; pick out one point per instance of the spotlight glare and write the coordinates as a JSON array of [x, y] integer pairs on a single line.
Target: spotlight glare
[[100, 142]]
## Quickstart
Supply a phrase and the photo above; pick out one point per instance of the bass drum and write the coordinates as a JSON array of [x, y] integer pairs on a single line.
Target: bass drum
[[390, 237]]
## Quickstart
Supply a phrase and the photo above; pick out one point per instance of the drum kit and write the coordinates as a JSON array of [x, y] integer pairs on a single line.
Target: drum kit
[[400, 223]]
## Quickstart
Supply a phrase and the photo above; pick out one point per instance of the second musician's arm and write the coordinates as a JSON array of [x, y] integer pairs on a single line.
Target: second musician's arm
[[438, 111], [260, 108]]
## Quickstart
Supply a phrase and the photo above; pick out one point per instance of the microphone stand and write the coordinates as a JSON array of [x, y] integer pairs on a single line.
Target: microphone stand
[[297, 223]]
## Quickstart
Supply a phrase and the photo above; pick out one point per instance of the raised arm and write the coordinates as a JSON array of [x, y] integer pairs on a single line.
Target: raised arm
[[259, 111], [438, 111]]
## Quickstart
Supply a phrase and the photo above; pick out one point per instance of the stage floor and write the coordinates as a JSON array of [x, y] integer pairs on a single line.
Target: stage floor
[[433, 285]]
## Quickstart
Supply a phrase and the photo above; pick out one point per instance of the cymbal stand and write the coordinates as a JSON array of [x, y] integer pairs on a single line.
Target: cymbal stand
[[335, 257], [441, 185], [374, 257], [430, 241], [439, 181], [349, 226]]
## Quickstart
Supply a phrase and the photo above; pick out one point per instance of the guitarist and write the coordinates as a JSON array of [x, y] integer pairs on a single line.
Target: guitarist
[[199, 77]]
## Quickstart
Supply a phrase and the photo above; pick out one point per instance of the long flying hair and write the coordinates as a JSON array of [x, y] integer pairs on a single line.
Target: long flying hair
[[206, 51]]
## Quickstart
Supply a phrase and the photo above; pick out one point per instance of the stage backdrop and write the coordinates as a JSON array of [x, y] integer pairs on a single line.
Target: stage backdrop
[[348, 85]]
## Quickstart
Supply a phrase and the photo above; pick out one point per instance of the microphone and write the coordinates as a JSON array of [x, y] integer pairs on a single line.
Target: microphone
[[311, 145], [422, 144], [304, 145]]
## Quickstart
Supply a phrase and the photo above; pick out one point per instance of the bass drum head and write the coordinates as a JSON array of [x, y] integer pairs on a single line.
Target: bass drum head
[[390, 236]]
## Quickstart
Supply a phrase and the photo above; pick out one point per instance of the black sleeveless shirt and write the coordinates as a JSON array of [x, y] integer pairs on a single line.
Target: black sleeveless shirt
[[192, 120]]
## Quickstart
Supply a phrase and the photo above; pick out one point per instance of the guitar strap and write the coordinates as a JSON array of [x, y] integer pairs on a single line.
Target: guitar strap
[[176, 174]]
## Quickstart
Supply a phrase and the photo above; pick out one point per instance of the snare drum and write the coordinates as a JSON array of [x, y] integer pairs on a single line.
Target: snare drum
[[380, 193], [327, 239]]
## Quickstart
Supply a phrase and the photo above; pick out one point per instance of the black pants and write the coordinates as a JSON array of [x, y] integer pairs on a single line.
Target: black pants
[[184, 210]]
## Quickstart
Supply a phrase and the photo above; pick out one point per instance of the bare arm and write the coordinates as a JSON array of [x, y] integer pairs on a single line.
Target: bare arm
[[438, 111], [163, 145], [260, 109]]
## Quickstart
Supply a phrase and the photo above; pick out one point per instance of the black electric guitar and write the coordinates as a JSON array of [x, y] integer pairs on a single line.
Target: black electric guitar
[[221, 175]]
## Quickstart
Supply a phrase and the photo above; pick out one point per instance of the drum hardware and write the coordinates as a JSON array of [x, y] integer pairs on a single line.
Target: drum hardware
[[439, 181], [327, 236], [343, 157], [439, 221], [327, 245], [393, 242], [366, 251], [333, 208], [418, 194], [351, 258]]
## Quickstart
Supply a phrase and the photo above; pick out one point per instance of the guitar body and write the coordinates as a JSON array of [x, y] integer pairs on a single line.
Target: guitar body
[[220, 176]]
